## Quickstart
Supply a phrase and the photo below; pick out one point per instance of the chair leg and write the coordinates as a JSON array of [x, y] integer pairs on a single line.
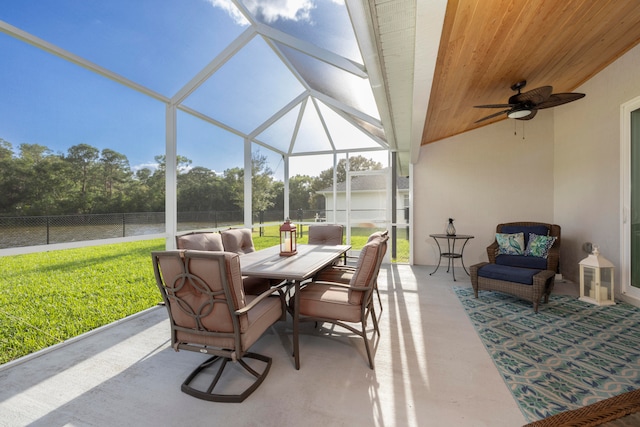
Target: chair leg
[[209, 394], [375, 320], [366, 344], [378, 294]]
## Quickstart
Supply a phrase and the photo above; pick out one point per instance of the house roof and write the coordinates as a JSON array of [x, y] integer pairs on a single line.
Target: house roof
[[368, 183]]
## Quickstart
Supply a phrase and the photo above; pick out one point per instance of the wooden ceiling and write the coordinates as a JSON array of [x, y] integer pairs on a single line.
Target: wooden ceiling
[[488, 45]]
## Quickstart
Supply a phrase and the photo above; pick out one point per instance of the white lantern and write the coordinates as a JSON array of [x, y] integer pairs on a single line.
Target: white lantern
[[596, 279]]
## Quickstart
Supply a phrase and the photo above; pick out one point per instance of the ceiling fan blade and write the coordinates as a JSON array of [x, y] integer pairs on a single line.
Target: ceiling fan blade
[[494, 106], [530, 116], [535, 96], [493, 115], [559, 99]]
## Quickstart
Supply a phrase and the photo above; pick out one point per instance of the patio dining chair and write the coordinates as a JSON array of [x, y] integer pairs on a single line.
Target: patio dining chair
[[325, 234], [345, 304], [344, 273], [237, 240], [210, 314], [200, 241]]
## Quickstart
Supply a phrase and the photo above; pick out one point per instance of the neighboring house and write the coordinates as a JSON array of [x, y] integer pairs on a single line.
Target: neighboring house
[[369, 205]]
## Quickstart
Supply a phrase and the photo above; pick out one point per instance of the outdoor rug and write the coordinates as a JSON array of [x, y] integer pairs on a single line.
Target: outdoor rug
[[569, 355]]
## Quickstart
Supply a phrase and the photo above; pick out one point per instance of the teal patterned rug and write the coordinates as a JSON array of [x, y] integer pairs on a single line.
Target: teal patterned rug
[[568, 355]]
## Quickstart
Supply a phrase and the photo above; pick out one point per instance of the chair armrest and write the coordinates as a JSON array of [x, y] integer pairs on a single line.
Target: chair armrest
[[261, 297], [553, 258], [343, 285], [492, 252], [344, 267]]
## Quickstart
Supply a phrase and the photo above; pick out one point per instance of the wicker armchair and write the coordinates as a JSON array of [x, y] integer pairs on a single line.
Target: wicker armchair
[[554, 253], [531, 279]]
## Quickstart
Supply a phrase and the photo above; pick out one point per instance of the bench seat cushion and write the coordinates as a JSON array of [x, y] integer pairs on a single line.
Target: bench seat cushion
[[508, 273], [522, 261]]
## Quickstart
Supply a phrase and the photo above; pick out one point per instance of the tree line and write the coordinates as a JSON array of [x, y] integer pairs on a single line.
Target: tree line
[[35, 181]]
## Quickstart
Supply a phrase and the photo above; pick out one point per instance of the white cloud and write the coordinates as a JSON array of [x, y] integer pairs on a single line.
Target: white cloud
[[231, 9], [269, 11]]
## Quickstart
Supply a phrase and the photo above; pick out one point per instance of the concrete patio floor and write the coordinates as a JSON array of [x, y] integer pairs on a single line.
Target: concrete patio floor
[[431, 370]]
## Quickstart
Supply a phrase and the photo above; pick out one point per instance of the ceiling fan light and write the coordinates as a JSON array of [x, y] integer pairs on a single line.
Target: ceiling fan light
[[518, 114]]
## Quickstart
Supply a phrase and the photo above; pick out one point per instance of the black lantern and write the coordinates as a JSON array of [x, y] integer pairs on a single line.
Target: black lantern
[[288, 239]]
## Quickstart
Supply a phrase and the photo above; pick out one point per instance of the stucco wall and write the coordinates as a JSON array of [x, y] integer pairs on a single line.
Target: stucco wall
[[566, 171], [587, 164], [482, 178]]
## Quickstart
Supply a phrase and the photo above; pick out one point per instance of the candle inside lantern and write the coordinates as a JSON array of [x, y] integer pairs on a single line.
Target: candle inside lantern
[[287, 244]]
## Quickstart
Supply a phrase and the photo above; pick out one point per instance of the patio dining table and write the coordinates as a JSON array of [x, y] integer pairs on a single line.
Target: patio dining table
[[293, 269]]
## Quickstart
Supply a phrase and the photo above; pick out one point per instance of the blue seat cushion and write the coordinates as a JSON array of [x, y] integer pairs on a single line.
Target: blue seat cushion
[[508, 274], [540, 230], [522, 261]]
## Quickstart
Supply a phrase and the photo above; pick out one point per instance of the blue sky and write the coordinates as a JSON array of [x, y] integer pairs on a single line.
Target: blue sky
[[161, 45]]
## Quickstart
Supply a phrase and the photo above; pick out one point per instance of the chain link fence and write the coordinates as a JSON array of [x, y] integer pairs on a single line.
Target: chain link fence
[[46, 230]]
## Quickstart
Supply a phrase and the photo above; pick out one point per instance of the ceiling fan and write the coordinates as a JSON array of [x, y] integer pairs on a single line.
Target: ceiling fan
[[525, 105]]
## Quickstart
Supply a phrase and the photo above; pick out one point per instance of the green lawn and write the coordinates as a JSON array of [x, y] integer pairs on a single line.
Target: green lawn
[[49, 297]]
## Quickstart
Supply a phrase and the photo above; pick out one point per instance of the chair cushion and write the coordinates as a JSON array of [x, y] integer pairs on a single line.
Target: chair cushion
[[327, 301], [335, 273], [325, 234], [209, 241], [522, 261], [508, 274], [365, 270], [510, 244], [377, 235], [260, 318], [206, 277], [539, 246], [237, 240]]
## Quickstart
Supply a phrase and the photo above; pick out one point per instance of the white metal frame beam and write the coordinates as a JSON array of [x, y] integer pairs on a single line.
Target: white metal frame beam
[[241, 41], [312, 50], [362, 23]]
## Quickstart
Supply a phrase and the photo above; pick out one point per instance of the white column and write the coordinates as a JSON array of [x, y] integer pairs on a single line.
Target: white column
[[248, 221], [286, 187], [171, 179]]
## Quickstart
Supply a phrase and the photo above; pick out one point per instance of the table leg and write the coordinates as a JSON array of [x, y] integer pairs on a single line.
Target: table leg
[[462, 258], [439, 257], [451, 249], [296, 323]]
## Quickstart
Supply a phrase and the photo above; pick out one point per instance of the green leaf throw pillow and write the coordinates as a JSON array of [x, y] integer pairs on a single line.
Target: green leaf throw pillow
[[539, 245], [510, 244]]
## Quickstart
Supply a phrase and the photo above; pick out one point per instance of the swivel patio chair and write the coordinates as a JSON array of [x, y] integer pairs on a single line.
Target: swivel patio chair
[[342, 304], [209, 313]]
